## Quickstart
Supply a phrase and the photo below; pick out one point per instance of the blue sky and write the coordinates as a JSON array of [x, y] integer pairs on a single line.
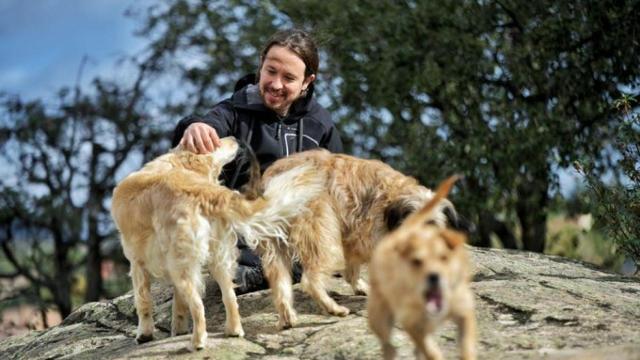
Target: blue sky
[[43, 42]]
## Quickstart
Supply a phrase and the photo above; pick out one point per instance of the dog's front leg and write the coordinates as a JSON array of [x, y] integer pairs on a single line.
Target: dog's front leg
[[222, 274], [143, 301], [352, 275], [185, 286], [313, 284], [467, 335], [426, 347], [184, 281], [380, 320]]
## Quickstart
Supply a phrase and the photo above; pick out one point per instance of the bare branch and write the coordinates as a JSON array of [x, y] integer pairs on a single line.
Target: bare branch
[[9, 253]]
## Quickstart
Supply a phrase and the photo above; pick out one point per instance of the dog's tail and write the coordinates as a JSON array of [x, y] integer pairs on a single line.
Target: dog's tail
[[285, 197], [428, 210]]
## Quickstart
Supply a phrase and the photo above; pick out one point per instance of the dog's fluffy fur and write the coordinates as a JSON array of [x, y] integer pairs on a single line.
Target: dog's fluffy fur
[[174, 217], [419, 277], [363, 201]]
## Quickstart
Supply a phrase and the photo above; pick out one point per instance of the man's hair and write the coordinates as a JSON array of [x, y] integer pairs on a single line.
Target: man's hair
[[300, 43]]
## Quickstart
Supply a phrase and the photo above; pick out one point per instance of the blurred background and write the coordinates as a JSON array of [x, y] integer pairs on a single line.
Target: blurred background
[[534, 102]]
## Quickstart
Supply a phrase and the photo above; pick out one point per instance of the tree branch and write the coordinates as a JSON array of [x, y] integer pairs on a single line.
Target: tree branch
[[16, 264]]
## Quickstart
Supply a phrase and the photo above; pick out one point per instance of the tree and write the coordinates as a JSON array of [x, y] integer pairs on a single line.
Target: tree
[[54, 210], [504, 92]]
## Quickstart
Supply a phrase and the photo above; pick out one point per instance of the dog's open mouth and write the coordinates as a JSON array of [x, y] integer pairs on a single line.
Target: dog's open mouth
[[433, 296]]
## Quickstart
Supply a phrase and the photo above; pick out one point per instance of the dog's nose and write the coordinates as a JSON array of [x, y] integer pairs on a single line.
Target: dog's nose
[[433, 280]]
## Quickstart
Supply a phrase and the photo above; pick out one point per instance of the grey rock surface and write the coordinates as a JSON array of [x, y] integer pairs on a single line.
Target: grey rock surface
[[529, 306]]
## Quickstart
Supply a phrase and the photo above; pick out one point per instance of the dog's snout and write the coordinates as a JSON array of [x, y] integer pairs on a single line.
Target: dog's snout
[[433, 280]]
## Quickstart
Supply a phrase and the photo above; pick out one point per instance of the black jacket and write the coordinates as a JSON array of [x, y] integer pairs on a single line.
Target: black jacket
[[308, 126]]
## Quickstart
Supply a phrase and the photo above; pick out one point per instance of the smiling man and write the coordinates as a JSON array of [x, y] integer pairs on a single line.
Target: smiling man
[[275, 113]]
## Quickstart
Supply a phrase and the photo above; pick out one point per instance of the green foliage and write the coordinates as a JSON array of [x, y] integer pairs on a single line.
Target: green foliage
[[499, 91], [208, 45], [617, 206], [502, 92]]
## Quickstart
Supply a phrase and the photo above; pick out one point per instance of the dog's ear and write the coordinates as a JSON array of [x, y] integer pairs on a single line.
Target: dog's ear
[[453, 238], [395, 213], [457, 221], [194, 162]]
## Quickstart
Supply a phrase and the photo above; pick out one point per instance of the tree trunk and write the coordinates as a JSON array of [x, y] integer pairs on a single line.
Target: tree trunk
[[490, 225], [94, 256], [94, 262], [61, 288], [531, 209]]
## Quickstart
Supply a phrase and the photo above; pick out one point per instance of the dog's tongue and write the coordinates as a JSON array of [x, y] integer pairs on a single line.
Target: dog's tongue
[[434, 301]]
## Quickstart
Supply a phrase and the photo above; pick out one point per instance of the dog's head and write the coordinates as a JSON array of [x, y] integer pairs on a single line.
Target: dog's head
[[431, 258], [433, 261], [208, 164]]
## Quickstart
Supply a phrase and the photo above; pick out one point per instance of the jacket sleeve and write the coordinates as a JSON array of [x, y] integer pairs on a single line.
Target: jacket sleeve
[[221, 118], [332, 141]]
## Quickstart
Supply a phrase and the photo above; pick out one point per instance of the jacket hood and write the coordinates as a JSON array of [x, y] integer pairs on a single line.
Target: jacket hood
[[246, 96]]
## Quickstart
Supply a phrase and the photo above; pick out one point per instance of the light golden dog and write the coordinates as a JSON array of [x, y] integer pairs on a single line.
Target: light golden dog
[[174, 217], [419, 277], [363, 201]]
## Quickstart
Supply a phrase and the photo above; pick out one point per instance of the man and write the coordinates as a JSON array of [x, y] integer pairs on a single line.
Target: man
[[277, 115]]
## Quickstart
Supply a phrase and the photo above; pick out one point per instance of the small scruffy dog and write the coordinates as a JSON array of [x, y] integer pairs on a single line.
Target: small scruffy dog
[[419, 277]]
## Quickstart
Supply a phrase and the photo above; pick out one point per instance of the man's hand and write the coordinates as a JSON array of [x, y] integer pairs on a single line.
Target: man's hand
[[200, 138]]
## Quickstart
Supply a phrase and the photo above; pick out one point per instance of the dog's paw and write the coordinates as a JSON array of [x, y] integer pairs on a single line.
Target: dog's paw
[[283, 325], [198, 342], [143, 338], [339, 311], [287, 320], [234, 332], [194, 348], [389, 352], [362, 288], [362, 291]]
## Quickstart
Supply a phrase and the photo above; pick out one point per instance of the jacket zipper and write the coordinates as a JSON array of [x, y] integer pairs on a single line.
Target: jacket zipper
[[279, 137], [278, 129]]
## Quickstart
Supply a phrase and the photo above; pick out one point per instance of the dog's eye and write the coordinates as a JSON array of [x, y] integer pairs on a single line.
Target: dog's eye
[[416, 262], [444, 257]]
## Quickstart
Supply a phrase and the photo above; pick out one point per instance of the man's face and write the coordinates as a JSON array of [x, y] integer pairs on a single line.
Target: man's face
[[282, 79]]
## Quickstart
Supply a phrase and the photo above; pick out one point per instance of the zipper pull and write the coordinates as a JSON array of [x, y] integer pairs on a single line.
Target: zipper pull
[[278, 128]]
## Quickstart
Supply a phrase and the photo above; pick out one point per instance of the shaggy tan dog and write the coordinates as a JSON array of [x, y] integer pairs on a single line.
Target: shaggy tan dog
[[363, 201], [419, 276], [174, 217]]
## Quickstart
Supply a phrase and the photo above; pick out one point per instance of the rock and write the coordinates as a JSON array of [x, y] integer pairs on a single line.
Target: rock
[[529, 306]]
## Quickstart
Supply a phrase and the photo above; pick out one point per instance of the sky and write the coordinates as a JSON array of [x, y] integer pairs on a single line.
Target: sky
[[43, 42]]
